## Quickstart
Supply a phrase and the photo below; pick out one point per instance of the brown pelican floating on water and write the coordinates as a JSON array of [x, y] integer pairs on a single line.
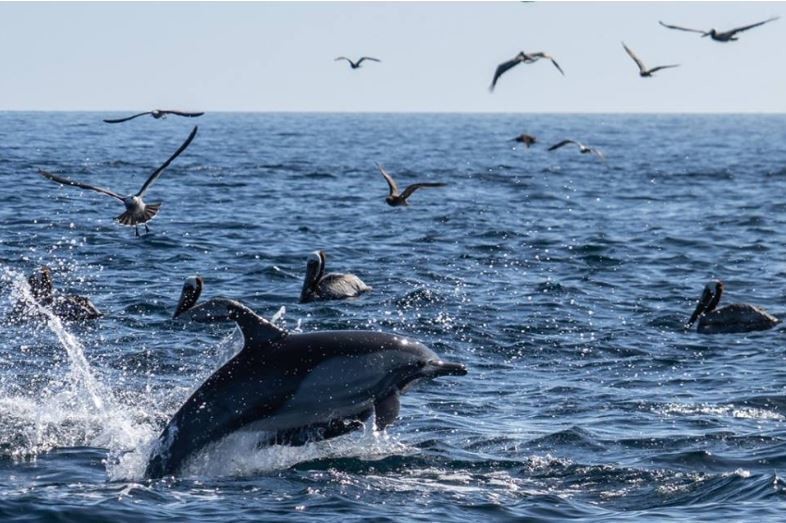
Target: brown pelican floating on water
[[396, 198], [526, 139], [156, 113], [583, 149], [521, 58], [643, 71], [356, 65], [320, 286], [65, 306], [737, 317], [723, 36], [137, 211]]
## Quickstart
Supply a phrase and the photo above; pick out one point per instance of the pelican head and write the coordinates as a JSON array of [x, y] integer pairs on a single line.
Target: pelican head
[[40, 282], [192, 288], [315, 268], [709, 299]]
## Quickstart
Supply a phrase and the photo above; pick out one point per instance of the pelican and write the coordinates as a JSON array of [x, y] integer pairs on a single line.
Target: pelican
[[521, 58], [356, 65], [395, 198], [643, 71], [155, 113], [320, 286], [723, 36], [65, 306], [737, 317], [583, 149], [526, 139], [137, 211]]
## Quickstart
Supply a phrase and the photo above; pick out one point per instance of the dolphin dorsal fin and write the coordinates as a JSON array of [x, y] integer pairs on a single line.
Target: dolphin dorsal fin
[[255, 328]]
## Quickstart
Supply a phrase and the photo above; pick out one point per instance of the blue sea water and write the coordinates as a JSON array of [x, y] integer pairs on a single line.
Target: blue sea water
[[561, 281]]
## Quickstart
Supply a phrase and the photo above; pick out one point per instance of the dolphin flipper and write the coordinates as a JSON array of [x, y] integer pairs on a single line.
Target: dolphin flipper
[[386, 410]]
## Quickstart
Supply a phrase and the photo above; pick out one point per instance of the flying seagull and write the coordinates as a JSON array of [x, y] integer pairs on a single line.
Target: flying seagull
[[643, 71], [521, 58], [137, 211], [156, 113], [526, 139], [723, 36], [583, 149], [355, 65], [395, 198]]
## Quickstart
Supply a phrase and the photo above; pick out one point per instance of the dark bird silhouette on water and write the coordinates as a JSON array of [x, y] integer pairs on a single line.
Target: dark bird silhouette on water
[[156, 113], [396, 198], [137, 211], [721, 36], [583, 149], [521, 58], [737, 317], [526, 139], [67, 307], [643, 71], [356, 65], [332, 286]]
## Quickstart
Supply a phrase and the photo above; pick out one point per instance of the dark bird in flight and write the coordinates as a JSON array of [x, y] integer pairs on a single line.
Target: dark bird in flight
[[521, 58], [396, 198], [156, 113], [526, 139], [583, 149], [722, 36], [137, 211], [643, 71], [355, 65]]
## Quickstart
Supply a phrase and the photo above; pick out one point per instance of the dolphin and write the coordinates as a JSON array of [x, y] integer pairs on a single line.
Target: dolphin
[[297, 387]]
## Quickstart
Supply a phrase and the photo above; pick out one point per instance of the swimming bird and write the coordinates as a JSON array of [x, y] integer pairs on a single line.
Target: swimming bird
[[721, 36], [583, 149], [320, 286], [356, 65], [737, 317], [137, 211], [521, 58], [156, 113], [293, 388], [526, 139], [643, 71], [395, 198], [65, 306]]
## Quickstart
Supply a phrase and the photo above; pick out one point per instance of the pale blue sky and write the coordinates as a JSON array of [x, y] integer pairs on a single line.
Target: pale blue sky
[[435, 57]]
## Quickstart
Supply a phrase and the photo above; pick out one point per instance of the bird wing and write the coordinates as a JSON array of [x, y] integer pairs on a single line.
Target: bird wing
[[344, 58], [415, 186], [642, 67], [682, 28], [757, 24], [501, 68], [66, 181], [391, 182], [561, 144], [153, 177], [553, 61], [368, 58], [598, 153], [118, 120], [183, 113], [663, 67]]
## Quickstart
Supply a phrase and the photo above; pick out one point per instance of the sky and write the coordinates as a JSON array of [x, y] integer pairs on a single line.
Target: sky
[[436, 57]]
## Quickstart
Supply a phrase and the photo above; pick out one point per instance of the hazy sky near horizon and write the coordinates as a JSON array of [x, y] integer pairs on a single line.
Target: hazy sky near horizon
[[435, 56]]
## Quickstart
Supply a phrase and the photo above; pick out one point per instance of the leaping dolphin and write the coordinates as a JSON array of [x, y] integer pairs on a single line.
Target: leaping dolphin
[[316, 385]]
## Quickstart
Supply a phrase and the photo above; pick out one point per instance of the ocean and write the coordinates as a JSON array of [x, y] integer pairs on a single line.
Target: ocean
[[563, 283]]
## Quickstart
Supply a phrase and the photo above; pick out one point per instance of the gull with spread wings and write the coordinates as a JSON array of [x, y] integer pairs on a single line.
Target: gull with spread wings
[[156, 113], [137, 211], [396, 198], [521, 58], [583, 149], [356, 65], [643, 71], [721, 36]]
